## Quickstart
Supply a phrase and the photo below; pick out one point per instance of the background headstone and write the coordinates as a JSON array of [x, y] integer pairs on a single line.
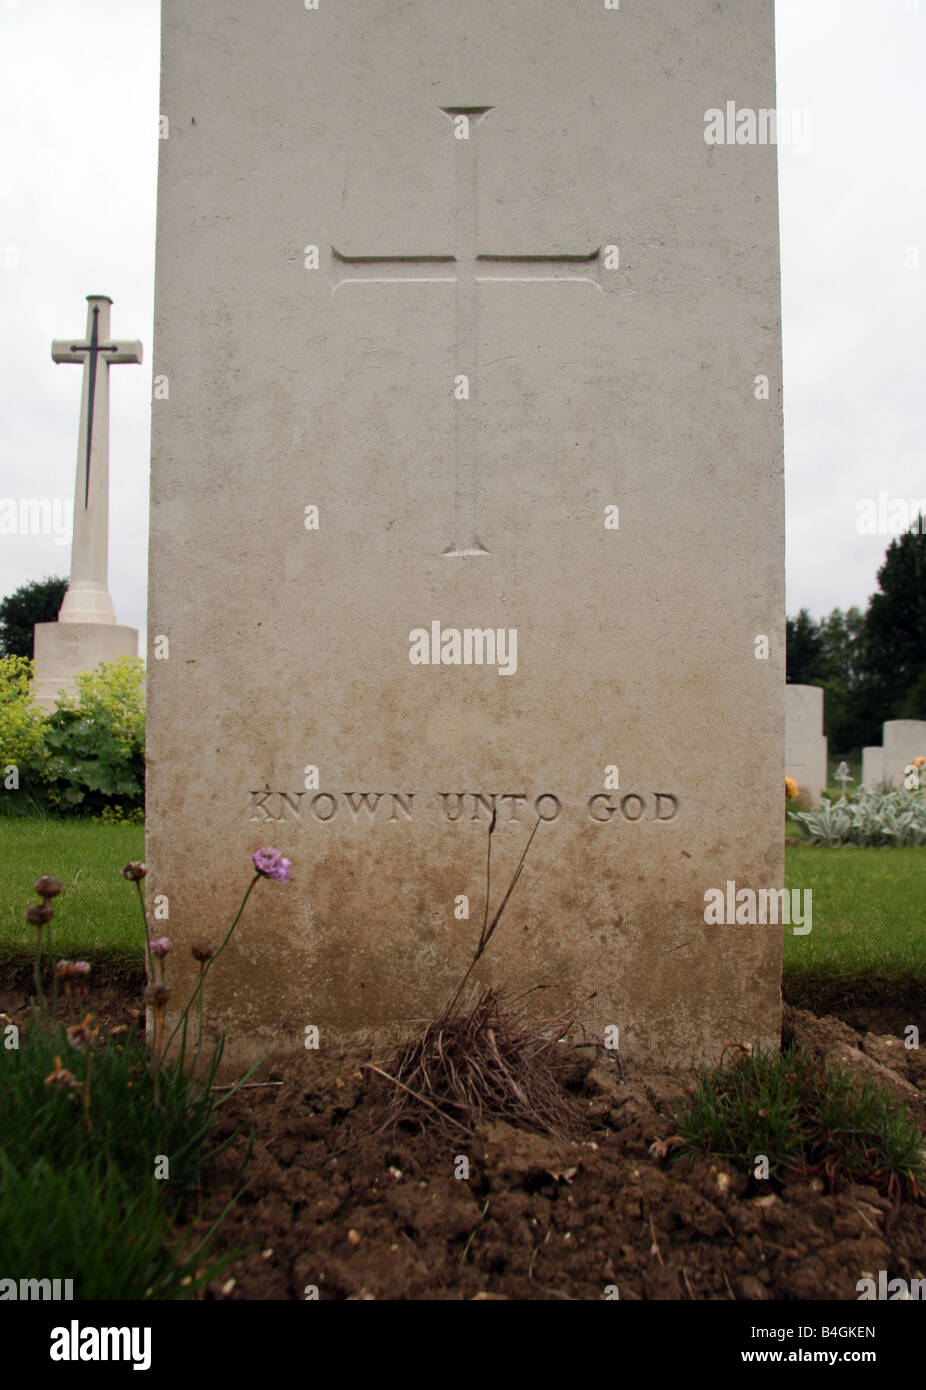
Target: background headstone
[[469, 280], [904, 740], [805, 745], [872, 768], [86, 631]]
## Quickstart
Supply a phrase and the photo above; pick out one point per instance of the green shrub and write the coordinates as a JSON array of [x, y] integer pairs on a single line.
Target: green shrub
[[869, 819], [96, 740], [118, 815], [23, 752]]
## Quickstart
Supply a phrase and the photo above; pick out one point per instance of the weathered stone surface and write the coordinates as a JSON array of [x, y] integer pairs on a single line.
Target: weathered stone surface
[[64, 649], [607, 283]]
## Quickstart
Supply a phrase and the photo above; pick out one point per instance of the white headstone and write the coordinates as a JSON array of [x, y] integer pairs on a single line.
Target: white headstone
[[86, 632], [872, 768], [904, 740], [470, 281], [805, 745]]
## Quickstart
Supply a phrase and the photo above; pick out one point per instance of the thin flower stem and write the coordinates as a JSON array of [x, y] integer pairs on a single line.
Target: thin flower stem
[[199, 1031], [156, 1059], [149, 966], [488, 929], [86, 1096], [54, 988], [197, 993], [37, 972]]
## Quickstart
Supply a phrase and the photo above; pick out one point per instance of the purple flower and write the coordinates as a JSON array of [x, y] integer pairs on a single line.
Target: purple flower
[[81, 967], [271, 864], [160, 947]]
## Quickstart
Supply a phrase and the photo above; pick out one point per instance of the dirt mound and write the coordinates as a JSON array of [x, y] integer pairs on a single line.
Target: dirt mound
[[336, 1203]]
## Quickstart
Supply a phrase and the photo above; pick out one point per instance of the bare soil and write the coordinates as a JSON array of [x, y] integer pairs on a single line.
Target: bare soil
[[337, 1203]]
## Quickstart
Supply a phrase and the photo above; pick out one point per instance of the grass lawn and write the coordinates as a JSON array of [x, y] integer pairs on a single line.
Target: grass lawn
[[869, 921], [97, 916]]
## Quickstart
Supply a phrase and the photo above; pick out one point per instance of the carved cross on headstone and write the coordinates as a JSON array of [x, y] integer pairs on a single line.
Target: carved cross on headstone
[[466, 269], [87, 598]]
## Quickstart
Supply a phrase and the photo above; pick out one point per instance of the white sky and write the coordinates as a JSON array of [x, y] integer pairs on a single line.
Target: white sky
[[78, 161]]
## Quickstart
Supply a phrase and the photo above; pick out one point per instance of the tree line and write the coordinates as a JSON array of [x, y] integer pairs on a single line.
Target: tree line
[[871, 665]]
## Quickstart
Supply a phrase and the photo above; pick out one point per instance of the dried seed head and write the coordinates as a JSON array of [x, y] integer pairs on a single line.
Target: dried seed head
[[134, 871], [48, 887], [201, 951], [39, 914], [81, 1035], [60, 1078], [157, 994]]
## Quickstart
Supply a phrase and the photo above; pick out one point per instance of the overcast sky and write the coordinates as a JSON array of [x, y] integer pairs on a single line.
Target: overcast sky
[[78, 162]]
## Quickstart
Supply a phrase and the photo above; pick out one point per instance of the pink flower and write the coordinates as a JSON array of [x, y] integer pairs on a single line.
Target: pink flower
[[160, 947], [68, 969], [271, 864]]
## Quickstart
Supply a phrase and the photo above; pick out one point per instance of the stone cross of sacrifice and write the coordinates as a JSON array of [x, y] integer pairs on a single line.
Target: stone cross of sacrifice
[[87, 599]]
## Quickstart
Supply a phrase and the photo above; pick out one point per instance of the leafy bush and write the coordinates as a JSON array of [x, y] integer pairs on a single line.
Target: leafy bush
[[22, 735], [96, 740], [869, 819]]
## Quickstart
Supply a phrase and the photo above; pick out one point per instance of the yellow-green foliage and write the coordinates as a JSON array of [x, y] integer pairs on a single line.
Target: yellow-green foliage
[[22, 723], [96, 739], [114, 697], [118, 815]]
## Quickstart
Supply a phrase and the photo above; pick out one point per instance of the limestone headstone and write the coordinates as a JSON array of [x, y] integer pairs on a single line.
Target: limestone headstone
[[86, 631], [904, 740], [805, 745], [873, 768], [469, 281]]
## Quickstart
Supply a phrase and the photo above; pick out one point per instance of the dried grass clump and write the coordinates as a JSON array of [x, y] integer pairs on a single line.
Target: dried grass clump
[[481, 1060]]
